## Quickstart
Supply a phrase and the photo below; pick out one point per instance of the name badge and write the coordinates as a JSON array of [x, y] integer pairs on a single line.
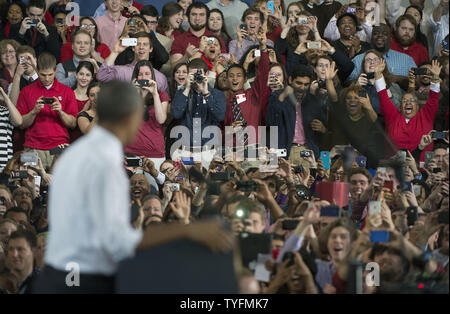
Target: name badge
[[240, 98], [59, 98]]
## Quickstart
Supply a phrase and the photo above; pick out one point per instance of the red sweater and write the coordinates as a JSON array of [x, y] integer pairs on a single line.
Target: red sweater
[[255, 106], [408, 135], [416, 51]]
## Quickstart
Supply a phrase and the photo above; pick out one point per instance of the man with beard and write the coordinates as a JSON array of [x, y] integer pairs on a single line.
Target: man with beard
[[398, 63], [23, 198], [293, 110], [187, 43], [404, 39]]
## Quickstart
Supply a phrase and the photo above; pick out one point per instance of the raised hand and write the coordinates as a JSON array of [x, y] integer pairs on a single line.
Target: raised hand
[[331, 71], [435, 68]]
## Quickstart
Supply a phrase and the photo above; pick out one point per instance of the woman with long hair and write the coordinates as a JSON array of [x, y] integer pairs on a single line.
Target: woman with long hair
[[169, 23], [87, 118], [216, 24], [99, 51], [149, 141], [8, 59], [178, 79], [12, 16]]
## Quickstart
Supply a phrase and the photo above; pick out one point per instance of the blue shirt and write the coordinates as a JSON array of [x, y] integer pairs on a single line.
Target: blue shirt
[[398, 64], [204, 112]]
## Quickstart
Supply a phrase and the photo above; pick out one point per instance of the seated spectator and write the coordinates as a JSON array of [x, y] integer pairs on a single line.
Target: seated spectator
[[169, 23], [99, 51], [42, 37], [217, 25], [254, 21], [398, 63], [8, 59], [110, 25], [108, 71], [149, 141], [15, 12], [87, 118], [186, 44], [405, 41], [405, 128], [46, 125], [82, 46]]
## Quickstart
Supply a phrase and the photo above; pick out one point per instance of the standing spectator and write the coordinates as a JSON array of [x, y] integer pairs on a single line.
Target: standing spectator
[[405, 40], [439, 23], [15, 12], [99, 51], [110, 25], [216, 24], [46, 125], [9, 118], [149, 141], [231, 11], [398, 63], [132, 7], [42, 37], [254, 21], [179, 78], [82, 47], [186, 44], [8, 59], [406, 127], [417, 14]]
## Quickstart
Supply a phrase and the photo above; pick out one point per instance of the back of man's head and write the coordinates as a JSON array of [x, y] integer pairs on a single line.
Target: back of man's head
[[117, 100]]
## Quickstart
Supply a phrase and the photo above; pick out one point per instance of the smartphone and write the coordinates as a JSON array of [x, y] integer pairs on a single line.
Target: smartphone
[[407, 187], [134, 162], [180, 178], [379, 236], [188, 161], [412, 215], [381, 169], [417, 190], [330, 211], [444, 44], [19, 174], [313, 45], [211, 40], [247, 186], [129, 42], [29, 158], [438, 135], [302, 20], [290, 224], [428, 158], [443, 217], [420, 71], [389, 185], [325, 157], [351, 10], [21, 60], [56, 151], [298, 169], [142, 82], [374, 207], [220, 176], [362, 93], [225, 56], [37, 181], [402, 155], [271, 6], [437, 170], [257, 53], [370, 75], [48, 100], [361, 161], [282, 152]]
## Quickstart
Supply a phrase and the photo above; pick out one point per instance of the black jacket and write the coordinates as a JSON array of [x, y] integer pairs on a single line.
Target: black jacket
[[283, 115], [52, 44]]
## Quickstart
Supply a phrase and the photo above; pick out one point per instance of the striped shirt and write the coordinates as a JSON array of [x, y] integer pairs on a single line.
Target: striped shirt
[[6, 143]]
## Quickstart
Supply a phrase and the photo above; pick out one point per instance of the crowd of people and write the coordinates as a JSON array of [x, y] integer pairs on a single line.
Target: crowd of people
[[319, 98]]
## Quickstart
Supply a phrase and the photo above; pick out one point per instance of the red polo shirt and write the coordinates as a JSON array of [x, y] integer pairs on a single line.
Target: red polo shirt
[[182, 41], [254, 107], [149, 141], [47, 130], [416, 51]]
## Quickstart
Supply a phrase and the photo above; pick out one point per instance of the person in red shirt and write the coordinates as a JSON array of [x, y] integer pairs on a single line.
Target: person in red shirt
[[406, 128], [46, 124], [186, 44], [251, 103], [149, 141], [404, 39]]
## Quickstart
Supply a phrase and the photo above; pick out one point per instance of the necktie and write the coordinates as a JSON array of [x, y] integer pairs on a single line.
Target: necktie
[[33, 41], [237, 116]]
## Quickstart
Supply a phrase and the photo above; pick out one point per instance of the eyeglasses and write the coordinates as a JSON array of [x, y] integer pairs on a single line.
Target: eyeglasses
[[88, 26], [375, 60], [8, 52], [152, 22]]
